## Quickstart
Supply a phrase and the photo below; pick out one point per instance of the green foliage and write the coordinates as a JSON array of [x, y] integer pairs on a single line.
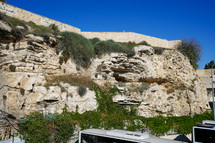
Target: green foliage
[[64, 126], [109, 46], [192, 49], [108, 115], [133, 44], [54, 27], [105, 101], [40, 30], [35, 129], [12, 68], [3, 1], [158, 50], [7, 47], [77, 47], [82, 91], [210, 65], [94, 41], [61, 59]]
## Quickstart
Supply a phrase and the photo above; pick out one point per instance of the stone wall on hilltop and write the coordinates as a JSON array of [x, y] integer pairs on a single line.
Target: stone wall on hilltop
[[116, 36]]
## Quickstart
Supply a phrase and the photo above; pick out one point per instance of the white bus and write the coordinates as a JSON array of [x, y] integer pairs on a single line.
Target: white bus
[[118, 136], [204, 133]]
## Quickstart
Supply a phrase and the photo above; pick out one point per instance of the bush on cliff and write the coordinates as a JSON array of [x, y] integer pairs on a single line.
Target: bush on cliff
[[192, 49], [77, 47], [109, 46]]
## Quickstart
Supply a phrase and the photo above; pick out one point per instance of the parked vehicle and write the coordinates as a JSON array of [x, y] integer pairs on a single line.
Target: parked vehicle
[[204, 133], [119, 136]]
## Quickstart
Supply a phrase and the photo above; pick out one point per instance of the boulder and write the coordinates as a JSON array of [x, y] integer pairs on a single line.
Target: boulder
[[5, 27], [35, 38]]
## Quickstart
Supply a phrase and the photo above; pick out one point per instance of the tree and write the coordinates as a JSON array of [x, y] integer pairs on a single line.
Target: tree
[[192, 49], [210, 65], [3, 0]]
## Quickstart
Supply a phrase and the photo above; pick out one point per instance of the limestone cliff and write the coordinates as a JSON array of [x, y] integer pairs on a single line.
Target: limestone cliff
[[156, 84]]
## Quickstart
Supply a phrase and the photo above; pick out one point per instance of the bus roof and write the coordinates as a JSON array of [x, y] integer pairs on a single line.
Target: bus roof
[[127, 135]]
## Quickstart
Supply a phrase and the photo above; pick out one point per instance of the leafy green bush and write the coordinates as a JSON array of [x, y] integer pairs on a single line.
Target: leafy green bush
[[109, 46], [94, 40], [54, 27], [64, 126], [36, 128], [77, 47]]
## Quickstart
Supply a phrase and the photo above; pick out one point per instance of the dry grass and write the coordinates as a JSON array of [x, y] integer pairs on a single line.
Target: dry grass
[[74, 80]]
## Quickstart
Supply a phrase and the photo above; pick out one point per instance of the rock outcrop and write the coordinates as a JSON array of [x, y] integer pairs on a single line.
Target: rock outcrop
[[164, 84]]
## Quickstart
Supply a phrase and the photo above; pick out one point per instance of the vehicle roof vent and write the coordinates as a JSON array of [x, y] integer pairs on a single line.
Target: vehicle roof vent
[[208, 122], [127, 134]]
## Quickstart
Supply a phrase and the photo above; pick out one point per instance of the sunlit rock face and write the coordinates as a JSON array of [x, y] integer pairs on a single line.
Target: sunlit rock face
[[156, 84]]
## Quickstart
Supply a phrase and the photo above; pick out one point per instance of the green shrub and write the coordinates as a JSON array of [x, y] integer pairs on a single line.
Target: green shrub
[[54, 27], [82, 91], [7, 47], [35, 129], [22, 91], [77, 47], [46, 38], [12, 68], [158, 50], [109, 46], [94, 40], [64, 126], [133, 44], [191, 49], [61, 60]]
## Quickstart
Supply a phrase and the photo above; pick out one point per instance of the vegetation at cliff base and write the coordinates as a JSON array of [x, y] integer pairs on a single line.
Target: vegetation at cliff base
[[109, 115]]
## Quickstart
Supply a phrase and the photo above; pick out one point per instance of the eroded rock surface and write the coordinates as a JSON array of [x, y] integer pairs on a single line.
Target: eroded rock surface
[[164, 84]]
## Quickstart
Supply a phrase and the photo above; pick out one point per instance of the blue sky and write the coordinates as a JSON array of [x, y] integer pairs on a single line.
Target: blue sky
[[166, 19]]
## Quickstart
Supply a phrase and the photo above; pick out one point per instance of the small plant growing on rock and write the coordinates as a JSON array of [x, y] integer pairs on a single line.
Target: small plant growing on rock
[[60, 60], [82, 91], [22, 91], [54, 27], [144, 86], [7, 47], [12, 68]]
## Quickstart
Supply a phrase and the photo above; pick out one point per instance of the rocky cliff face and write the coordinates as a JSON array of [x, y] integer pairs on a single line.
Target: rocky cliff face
[[156, 84]]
